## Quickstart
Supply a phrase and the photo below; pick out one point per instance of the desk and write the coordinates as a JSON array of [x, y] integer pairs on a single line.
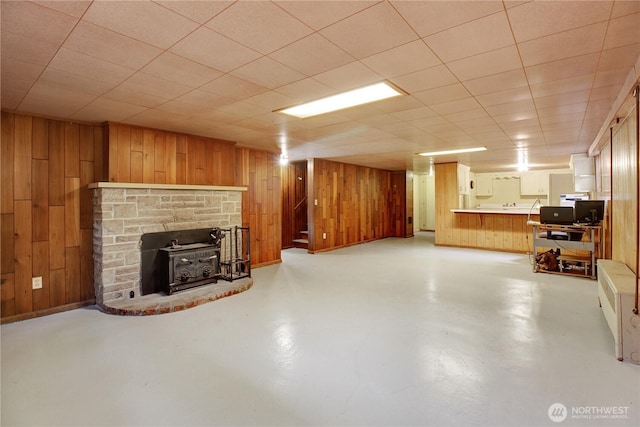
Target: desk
[[577, 257]]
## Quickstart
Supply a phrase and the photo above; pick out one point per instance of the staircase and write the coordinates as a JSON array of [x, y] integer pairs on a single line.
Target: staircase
[[303, 241]]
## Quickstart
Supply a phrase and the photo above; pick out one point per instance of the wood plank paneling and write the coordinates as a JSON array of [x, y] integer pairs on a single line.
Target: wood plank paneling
[[87, 171], [56, 237], [56, 163], [48, 206], [71, 150], [7, 244], [72, 275], [7, 151], [87, 290], [168, 157], [41, 269], [40, 199], [57, 288], [72, 212], [7, 294], [22, 158], [23, 254], [261, 205], [40, 138], [354, 204], [624, 204], [446, 190]]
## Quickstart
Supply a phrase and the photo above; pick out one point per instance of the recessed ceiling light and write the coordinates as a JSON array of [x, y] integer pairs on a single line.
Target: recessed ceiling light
[[363, 95], [462, 150]]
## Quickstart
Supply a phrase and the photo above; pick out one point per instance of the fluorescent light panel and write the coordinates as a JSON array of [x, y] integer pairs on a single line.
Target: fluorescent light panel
[[364, 95], [462, 150]]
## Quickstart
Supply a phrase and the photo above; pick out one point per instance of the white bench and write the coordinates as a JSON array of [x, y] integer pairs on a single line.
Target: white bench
[[616, 292]]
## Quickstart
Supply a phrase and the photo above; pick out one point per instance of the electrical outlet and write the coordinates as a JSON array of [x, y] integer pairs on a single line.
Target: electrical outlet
[[324, 235], [36, 282], [315, 202]]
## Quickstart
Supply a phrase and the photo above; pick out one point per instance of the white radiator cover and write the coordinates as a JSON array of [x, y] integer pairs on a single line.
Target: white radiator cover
[[616, 292]]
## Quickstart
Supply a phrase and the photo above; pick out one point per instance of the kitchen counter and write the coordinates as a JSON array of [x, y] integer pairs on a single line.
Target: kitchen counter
[[493, 228], [505, 211]]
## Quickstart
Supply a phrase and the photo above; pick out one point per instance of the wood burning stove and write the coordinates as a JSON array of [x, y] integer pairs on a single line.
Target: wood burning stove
[[188, 266], [173, 261]]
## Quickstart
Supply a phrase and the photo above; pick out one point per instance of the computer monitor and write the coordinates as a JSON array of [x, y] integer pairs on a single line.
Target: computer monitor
[[589, 211], [562, 215]]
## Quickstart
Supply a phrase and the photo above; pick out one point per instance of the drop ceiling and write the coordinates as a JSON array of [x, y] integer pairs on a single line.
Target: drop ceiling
[[539, 77]]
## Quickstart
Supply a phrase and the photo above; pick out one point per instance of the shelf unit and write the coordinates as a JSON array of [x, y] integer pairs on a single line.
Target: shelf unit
[[577, 257]]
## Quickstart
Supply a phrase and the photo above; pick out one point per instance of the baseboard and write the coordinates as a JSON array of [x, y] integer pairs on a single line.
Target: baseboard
[[46, 311]]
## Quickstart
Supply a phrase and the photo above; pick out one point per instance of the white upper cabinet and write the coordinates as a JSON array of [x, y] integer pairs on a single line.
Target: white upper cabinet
[[534, 184], [464, 173], [484, 185]]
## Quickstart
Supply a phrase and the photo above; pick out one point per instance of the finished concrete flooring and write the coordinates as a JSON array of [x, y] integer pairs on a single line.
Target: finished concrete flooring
[[394, 332]]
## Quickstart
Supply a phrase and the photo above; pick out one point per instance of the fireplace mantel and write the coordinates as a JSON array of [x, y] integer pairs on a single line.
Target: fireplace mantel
[[123, 212], [141, 185]]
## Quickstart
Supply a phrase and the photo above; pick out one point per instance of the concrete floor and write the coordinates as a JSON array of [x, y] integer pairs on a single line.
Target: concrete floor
[[394, 332]]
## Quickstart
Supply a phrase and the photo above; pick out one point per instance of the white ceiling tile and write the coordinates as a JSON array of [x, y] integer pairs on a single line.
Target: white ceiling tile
[[141, 20], [34, 23], [348, 76], [268, 73], [233, 87], [106, 45], [504, 96], [555, 87], [479, 36], [623, 31], [89, 67], [261, 25], [486, 64], [429, 78], [320, 13], [214, 50], [620, 57], [563, 69], [497, 82], [430, 17], [305, 90], [181, 70], [456, 106], [537, 19], [442, 94], [405, 59], [75, 8], [312, 55], [570, 43], [103, 109], [196, 10], [371, 31]]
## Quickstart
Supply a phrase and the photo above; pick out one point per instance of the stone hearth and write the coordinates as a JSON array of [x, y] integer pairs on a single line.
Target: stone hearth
[[123, 212]]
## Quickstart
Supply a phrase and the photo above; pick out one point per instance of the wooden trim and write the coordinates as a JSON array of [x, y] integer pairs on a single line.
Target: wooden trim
[[47, 311], [140, 185]]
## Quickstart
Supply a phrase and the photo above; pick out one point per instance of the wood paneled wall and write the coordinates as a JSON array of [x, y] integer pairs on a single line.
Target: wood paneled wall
[[47, 211], [159, 157], [153, 156], [624, 208], [261, 204], [402, 204], [353, 204], [294, 202], [446, 183]]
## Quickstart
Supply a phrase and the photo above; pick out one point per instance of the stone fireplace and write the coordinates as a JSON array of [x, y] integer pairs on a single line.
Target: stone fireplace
[[122, 213]]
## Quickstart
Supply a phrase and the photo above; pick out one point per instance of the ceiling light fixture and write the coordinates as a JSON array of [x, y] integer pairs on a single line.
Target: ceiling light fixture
[[364, 95], [284, 159], [462, 150]]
